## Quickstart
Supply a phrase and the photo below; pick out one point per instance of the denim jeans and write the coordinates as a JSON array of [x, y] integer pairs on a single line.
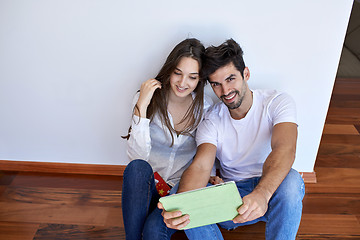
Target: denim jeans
[[282, 217], [142, 218]]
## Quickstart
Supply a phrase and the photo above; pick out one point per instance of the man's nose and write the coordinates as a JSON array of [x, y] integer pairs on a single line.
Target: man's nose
[[225, 90]]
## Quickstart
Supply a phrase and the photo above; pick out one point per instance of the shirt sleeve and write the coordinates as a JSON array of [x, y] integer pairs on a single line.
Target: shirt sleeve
[[282, 109], [139, 143], [207, 131]]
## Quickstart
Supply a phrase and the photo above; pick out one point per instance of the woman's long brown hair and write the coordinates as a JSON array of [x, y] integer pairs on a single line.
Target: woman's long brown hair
[[188, 48]]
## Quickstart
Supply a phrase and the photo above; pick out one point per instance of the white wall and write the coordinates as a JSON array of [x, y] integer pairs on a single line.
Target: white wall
[[69, 69]]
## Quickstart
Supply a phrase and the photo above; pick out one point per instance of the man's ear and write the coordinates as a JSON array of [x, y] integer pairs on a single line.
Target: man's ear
[[246, 73]]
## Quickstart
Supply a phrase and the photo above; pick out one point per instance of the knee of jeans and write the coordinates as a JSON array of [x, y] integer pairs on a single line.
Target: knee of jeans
[[228, 225], [138, 167], [292, 189]]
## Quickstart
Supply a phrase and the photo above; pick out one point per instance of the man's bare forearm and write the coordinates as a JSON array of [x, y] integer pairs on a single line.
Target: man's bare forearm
[[275, 169], [193, 178], [198, 173], [280, 160]]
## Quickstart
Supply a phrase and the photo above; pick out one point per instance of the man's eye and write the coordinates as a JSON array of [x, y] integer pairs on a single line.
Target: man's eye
[[214, 84]]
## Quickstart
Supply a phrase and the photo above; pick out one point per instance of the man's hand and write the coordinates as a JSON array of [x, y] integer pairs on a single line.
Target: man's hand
[[175, 219], [215, 180], [254, 206]]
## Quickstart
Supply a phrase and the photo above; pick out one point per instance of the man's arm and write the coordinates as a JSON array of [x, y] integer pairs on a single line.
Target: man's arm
[[196, 176], [275, 169], [198, 173]]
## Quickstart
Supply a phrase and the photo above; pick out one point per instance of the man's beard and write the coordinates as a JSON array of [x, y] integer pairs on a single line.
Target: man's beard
[[234, 105]]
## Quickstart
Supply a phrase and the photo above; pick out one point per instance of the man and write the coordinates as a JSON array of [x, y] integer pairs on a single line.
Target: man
[[253, 134]]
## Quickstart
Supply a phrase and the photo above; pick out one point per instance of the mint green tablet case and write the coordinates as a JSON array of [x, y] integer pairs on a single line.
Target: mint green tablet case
[[206, 206]]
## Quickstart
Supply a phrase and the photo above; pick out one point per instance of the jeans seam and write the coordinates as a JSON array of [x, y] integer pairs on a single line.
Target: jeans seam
[[214, 232], [148, 197]]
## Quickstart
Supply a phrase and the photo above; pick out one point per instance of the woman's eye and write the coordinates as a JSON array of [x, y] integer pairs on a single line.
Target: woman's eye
[[177, 73], [194, 78]]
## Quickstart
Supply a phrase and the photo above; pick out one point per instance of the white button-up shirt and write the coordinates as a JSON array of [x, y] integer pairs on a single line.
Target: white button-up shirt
[[151, 141]]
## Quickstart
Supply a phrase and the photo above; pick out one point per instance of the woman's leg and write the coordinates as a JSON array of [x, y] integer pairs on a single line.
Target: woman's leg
[[155, 227], [139, 197]]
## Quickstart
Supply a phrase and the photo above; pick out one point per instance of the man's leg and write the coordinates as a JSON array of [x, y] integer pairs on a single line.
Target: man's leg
[[285, 208], [244, 187], [139, 197], [208, 232]]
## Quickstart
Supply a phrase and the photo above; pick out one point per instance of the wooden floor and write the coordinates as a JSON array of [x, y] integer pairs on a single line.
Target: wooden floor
[[60, 206]]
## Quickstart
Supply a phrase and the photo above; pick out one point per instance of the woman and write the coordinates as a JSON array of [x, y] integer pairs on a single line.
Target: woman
[[167, 111]]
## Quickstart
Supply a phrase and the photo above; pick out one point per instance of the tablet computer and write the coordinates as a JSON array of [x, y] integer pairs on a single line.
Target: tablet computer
[[213, 204]]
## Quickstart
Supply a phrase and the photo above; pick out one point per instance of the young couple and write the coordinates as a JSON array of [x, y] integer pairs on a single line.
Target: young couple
[[175, 133]]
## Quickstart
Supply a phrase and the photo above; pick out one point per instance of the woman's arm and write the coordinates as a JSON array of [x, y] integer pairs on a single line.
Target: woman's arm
[[139, 142]]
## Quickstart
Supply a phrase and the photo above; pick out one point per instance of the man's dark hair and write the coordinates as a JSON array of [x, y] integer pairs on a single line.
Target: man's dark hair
[[222, 55]]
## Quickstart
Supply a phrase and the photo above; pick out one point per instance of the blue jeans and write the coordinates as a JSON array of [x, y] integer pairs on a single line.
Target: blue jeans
[[282, 217], [142, 218]]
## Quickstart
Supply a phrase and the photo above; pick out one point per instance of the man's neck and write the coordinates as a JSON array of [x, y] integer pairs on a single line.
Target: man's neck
[[240, 112]]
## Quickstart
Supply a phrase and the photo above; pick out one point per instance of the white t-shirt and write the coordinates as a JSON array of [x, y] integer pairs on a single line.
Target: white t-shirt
[[150, 141], [243, 145]]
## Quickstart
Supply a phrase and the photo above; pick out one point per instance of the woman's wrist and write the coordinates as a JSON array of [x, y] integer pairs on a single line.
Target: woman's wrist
[[140, 110]]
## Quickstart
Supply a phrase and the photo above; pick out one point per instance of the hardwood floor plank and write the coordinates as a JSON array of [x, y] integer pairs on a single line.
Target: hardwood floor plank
[[345, 103], [329, 224], [74, 181], [2, 189], [335, 98], [336, 180], [73, 232], [357, 126], [326, 236], [340, 129], [338, 177], [353, 140], [337, 115], [58, 214], [115, 218], [323, 204], [17, 231], [6, 178], [338, 149], [342, 161], [347, 88], [62, 196]]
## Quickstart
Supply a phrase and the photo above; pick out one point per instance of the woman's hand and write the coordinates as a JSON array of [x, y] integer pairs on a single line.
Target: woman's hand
[[147, 90]]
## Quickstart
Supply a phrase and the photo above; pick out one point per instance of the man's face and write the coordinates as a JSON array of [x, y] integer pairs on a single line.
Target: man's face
[[229, 85]]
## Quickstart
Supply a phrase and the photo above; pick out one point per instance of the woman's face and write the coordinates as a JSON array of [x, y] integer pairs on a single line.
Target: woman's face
[[185, 77]]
